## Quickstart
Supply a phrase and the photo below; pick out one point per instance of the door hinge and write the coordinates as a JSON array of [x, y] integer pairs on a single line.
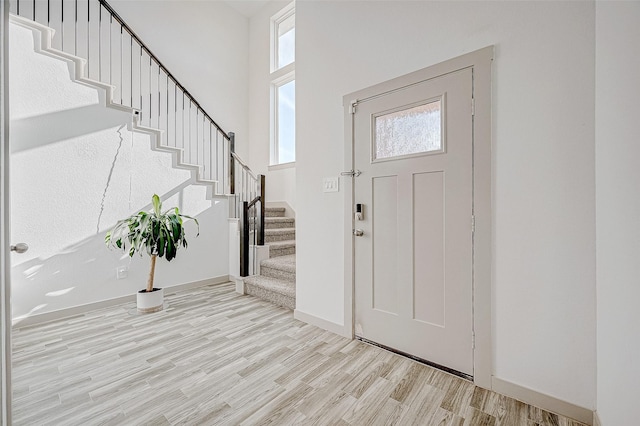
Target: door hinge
[[473, 340], [473, 224], [473, 106], [354, 106]]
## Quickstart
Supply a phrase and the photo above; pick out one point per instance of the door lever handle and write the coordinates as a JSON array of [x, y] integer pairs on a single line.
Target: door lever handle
[[358, 232], [351, 173], [20, 248]]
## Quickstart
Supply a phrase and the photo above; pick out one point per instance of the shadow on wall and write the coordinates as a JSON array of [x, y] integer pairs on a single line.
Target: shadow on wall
[[86, 272], [75, 171]]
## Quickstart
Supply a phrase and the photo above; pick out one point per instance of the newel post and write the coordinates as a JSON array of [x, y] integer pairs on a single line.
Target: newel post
[[261, 191], [232, 169], [244, 239]]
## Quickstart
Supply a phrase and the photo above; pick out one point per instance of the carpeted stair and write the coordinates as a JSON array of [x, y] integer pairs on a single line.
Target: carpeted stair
[[277, 280]]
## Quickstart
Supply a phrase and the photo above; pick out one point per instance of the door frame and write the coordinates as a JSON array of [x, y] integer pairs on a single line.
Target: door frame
[[5, 235], [480, 62]]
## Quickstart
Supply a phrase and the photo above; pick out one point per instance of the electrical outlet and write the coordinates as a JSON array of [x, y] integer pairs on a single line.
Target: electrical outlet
[[330, 184], [122, 272]]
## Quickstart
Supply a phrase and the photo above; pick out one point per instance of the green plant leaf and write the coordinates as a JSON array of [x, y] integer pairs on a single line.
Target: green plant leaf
[[161, 243], [156, 233], [171, 250], [196, 222], [157, 204]]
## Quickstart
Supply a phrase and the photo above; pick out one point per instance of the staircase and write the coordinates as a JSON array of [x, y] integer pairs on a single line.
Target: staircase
[[103, 52], [276, 282]]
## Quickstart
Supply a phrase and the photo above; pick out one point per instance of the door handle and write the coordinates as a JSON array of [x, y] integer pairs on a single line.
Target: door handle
[[20, 248], [358, 232]]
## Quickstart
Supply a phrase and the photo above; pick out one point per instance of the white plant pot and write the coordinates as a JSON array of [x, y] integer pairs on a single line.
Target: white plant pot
[[149, 302]]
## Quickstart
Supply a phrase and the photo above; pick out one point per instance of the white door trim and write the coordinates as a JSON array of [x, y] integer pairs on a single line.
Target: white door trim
[[480, 61], [5, 269]]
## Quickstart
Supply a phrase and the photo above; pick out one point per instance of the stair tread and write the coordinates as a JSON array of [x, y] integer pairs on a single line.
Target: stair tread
[[275, 285], [282, 244], [285, 263], [278, 219], [274, 211]]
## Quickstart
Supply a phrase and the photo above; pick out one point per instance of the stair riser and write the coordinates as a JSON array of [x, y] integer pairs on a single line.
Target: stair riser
[[276, 252], [273, 213], [280, 237], [275, 298], [279, 225], [274, 225], [278, 273]]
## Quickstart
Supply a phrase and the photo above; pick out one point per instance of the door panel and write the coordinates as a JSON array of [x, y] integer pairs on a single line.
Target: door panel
[[385, 241], [428, 243], [413, 264]]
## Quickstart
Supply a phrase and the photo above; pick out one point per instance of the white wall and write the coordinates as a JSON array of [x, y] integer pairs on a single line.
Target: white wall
[[204, 44], [618, 210], [543, 159], [280, 183], [76, 170]]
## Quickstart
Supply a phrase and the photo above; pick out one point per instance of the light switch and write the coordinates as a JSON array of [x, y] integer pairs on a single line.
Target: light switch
[[330, 184]]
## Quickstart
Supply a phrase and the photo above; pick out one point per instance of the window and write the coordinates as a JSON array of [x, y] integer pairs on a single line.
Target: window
[[283, 87], [412, 130], [286, 124], [286, 40]]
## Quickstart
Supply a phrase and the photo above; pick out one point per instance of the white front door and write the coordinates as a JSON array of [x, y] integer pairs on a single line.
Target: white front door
[[413, 261]]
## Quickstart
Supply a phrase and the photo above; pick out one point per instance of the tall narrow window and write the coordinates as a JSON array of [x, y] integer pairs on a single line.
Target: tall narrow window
[[286, 41], [287, 122], [283, 87]]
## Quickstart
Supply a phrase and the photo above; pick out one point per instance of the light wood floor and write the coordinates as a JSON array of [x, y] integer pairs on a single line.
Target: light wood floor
[[214, 357]]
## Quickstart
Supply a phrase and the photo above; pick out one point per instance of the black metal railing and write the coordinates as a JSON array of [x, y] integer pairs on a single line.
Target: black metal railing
[[251, 230], [251, 235], [115, 55]]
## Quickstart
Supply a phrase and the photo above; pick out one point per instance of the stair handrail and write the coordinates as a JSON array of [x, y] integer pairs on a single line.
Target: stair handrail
[[243, 165]]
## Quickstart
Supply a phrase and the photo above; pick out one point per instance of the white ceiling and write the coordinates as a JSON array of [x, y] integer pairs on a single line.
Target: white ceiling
[[247, 8]]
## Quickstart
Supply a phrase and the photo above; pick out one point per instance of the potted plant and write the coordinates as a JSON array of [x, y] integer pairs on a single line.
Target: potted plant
[[160, 235]]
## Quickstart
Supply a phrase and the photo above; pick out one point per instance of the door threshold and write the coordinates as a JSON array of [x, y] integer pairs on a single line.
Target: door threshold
[[417, 359]]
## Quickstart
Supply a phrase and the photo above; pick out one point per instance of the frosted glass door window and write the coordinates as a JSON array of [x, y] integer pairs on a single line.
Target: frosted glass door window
[[409, 131]]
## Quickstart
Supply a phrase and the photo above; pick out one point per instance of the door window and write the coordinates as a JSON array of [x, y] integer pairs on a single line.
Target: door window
[[413, 130]]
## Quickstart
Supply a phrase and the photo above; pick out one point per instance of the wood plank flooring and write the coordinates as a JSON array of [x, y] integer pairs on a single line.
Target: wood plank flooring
[[213, 357]]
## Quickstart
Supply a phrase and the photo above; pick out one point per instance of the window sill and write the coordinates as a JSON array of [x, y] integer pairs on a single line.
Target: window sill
[[282, 166]]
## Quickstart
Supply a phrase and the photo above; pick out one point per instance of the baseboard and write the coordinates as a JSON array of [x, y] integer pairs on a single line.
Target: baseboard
[[543, 401], [239, 281], [187, 286], [83, 309], [596, 419], [322, 323]]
